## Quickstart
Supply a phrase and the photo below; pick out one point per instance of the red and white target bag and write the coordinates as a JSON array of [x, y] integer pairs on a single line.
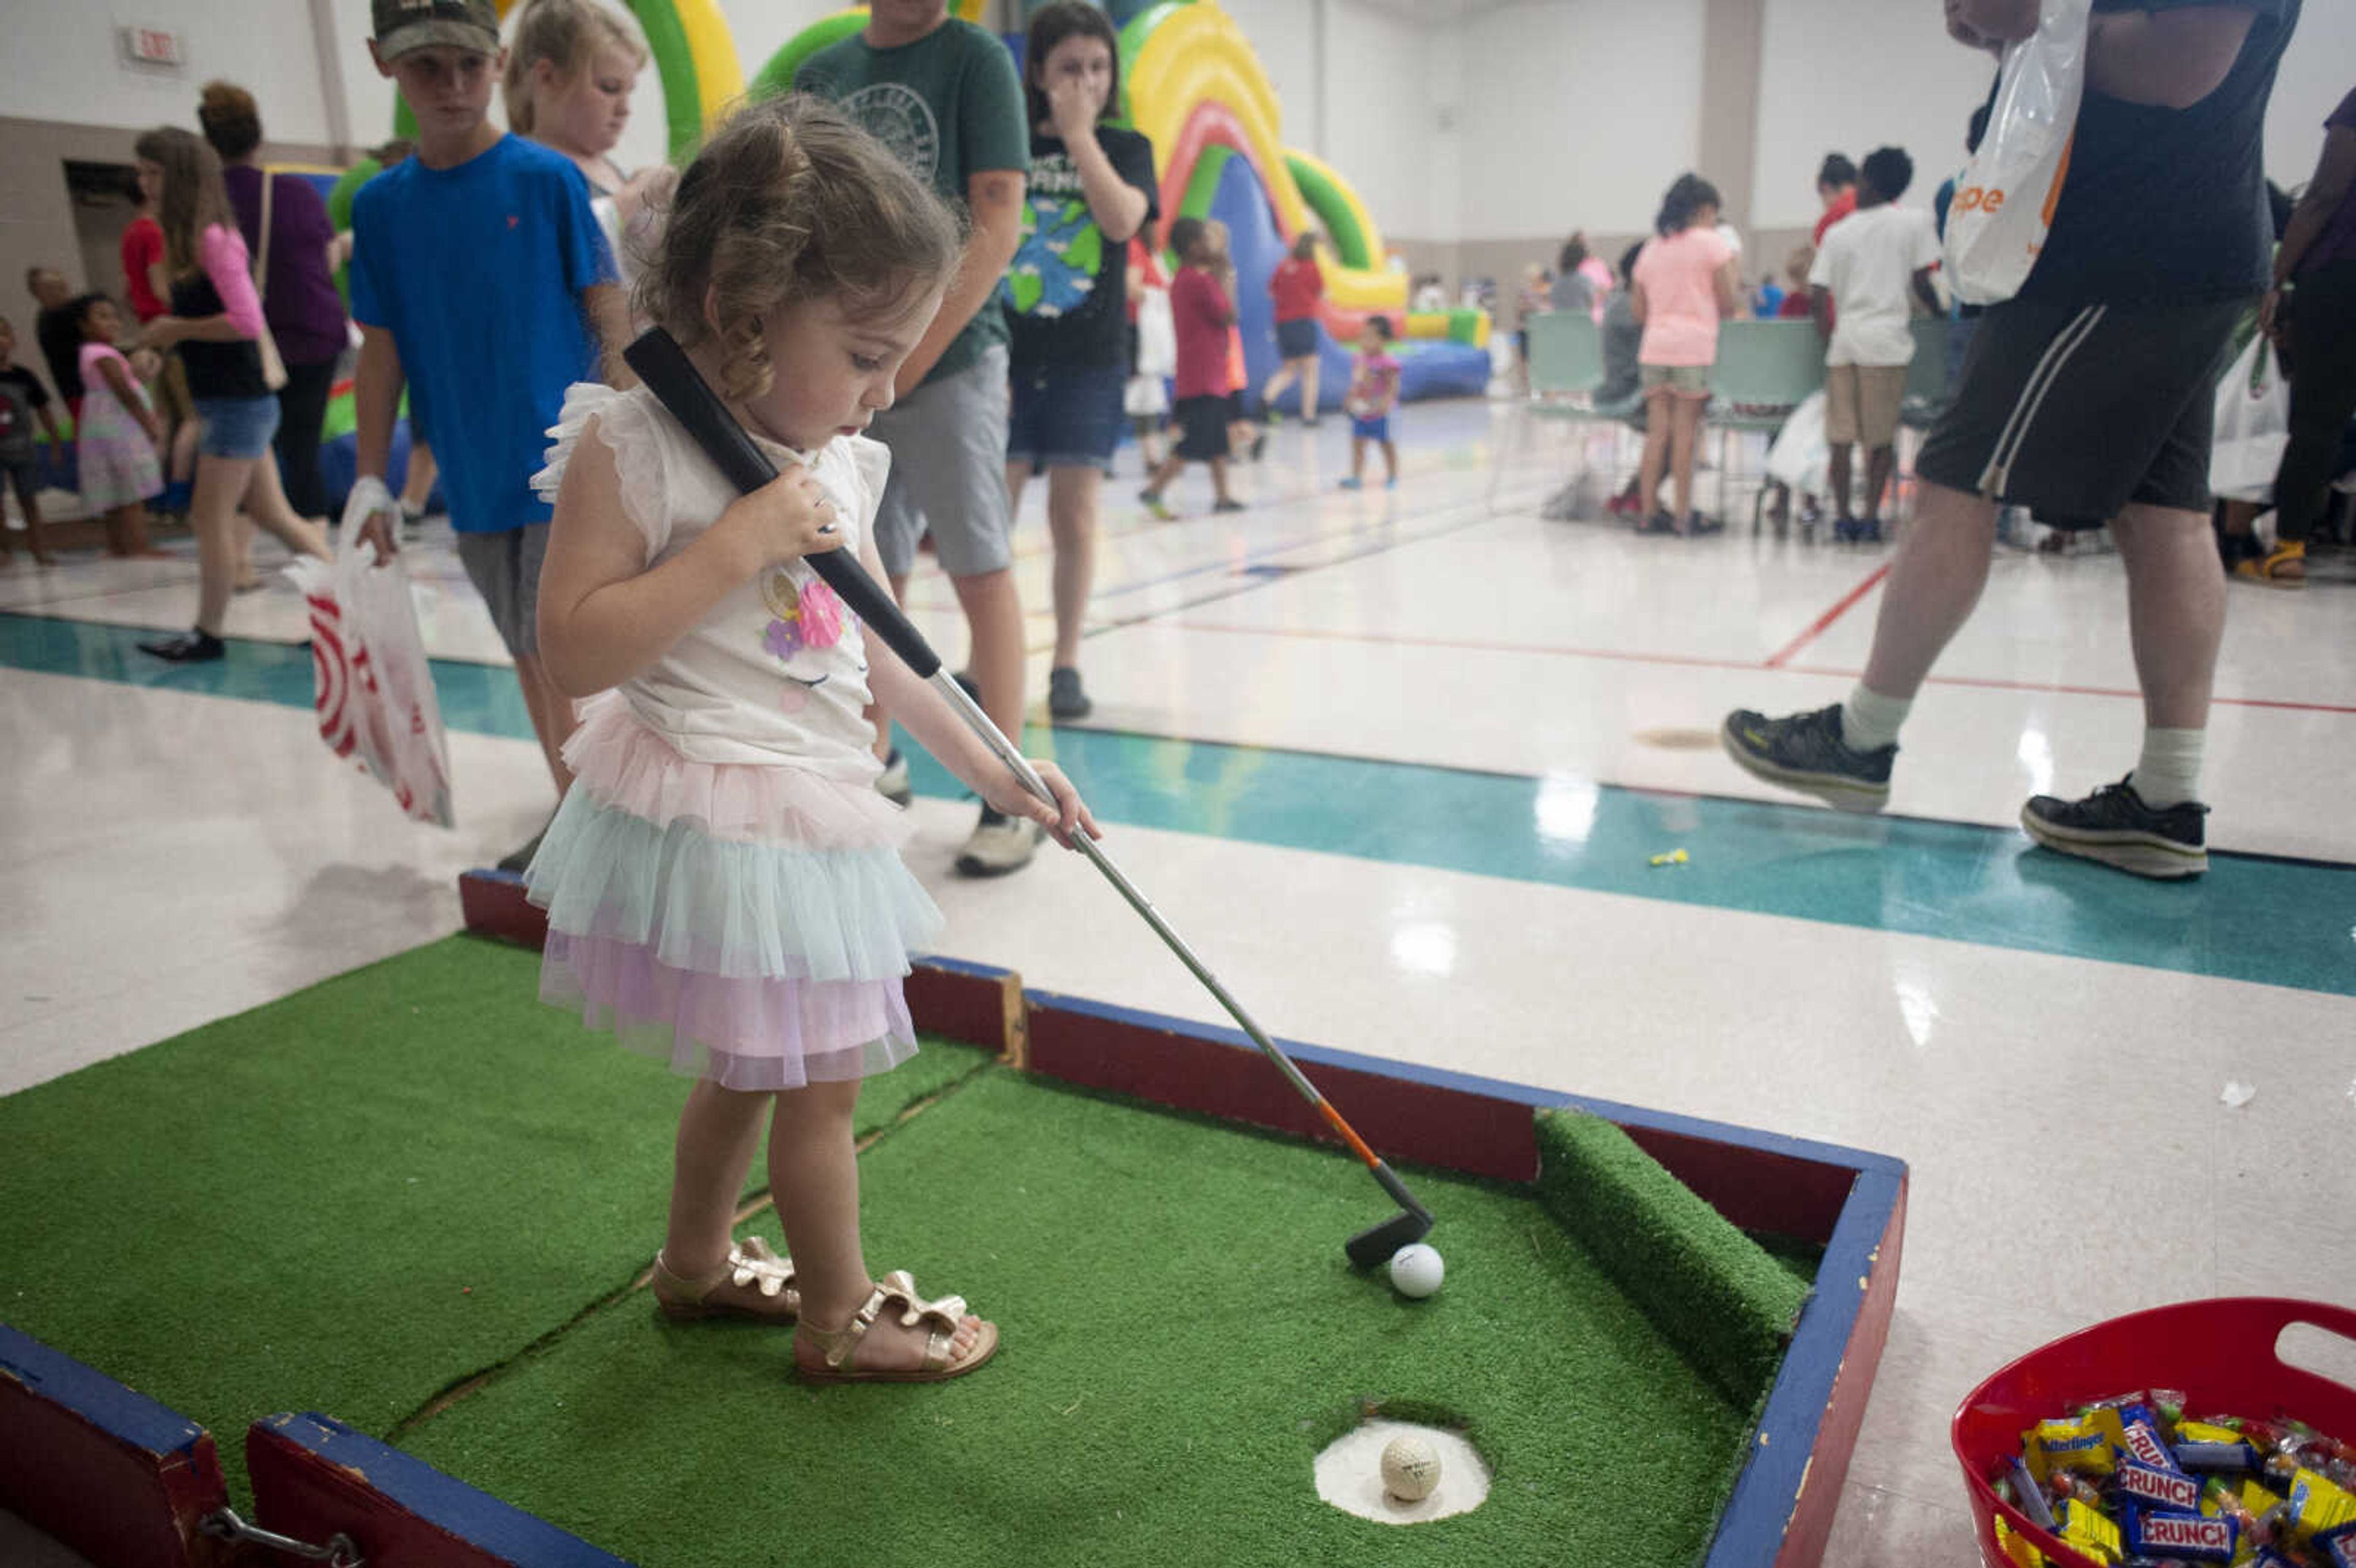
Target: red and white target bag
[[370, 681]]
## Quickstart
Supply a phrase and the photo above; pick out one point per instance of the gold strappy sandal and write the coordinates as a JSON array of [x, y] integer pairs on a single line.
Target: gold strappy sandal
[[945, 1315], [751, 1262]]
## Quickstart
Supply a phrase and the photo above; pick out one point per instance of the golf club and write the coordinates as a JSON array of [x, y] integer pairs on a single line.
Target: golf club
[[680, 388]]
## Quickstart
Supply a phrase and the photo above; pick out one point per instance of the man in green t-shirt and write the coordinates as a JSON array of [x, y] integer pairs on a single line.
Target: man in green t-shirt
[[943, 94]]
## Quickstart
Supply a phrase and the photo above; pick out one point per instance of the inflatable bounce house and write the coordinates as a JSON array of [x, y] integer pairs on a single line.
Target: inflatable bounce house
[[1191, 82]]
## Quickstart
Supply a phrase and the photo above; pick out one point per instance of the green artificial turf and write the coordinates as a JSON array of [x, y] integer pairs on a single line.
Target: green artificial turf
[[352, 1198], [1729, 1299], [1182, 1334]]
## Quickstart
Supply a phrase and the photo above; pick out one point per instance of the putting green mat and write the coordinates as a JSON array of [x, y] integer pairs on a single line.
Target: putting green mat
[[352, 1198], [1182, 1334]]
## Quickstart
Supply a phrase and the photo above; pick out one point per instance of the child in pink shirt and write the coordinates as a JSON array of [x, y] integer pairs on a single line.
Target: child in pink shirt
[[1374, 392], [1682, 287]]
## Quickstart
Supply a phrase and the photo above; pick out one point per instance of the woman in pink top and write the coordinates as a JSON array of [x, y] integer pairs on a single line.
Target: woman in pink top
[[1684, 285], [216, 323]]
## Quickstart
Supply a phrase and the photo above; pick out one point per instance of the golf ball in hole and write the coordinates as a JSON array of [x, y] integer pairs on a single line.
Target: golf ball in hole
[[1410, 1466], [1416, 1270]]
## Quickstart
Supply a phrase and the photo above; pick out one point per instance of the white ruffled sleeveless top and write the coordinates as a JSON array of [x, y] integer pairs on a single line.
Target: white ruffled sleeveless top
[[776, 674]]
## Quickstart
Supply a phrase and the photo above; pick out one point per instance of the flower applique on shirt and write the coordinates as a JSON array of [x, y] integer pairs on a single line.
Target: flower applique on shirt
[[805, 617]]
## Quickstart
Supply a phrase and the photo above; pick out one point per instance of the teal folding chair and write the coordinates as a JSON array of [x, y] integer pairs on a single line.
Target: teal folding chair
[[1926, 376], [1764, 370], [1566, 365]]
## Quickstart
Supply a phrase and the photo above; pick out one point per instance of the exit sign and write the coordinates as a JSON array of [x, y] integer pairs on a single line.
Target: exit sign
[[150, 46]]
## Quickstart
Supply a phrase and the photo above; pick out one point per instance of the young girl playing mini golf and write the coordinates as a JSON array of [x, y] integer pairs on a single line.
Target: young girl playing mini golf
[[723, 883]]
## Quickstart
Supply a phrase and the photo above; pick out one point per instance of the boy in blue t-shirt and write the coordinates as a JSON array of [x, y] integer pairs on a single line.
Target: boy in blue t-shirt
[[481, 280]]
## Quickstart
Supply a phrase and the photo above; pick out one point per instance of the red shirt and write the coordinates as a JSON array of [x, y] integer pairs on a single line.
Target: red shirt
[[1795, 306], [1199, 311], [1843, 205], [1298, 287], [143, 246]]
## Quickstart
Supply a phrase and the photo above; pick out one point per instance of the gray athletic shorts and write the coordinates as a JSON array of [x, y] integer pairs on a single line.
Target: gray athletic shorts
[[505, 570], [948, 472]]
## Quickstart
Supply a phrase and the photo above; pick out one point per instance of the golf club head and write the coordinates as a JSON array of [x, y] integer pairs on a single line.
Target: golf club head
[[1373, 1247]]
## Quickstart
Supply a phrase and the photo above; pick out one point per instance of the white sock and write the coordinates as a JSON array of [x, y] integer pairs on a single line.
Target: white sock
[[1870, 720], [2169, 772]]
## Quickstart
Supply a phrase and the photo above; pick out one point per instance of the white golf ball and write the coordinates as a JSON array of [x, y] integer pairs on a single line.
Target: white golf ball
[[1411, 1467], [1416, 1270]]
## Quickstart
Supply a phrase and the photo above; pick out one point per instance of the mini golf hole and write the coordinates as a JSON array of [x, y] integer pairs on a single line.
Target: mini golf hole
[[1350, 1473]]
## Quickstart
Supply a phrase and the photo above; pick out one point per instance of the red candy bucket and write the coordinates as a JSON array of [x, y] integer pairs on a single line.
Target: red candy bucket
[[2221, 1354]]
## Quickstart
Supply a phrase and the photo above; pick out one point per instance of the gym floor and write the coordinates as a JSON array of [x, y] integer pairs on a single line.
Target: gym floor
[[1399, 766]]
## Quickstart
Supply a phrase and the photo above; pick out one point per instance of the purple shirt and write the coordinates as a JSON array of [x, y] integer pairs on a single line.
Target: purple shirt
[[2338, 240], [306, 314]]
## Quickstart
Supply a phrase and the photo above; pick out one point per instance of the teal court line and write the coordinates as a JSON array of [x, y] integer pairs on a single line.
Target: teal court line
[[2271, 921]]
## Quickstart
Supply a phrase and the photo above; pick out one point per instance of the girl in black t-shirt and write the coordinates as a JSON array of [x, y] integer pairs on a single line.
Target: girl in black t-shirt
[[1091, 188]]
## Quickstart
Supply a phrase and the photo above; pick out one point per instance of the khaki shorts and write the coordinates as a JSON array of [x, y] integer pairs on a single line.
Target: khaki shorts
[[1861, 404], [1682, 380]]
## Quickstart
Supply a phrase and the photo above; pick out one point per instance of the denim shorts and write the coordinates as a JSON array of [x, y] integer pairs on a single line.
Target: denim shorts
[[1066, 418], [236, 427], [1375, 429]]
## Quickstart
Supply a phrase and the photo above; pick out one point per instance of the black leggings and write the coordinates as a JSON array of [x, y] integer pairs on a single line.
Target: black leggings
[[302, 410], [2322, 395]]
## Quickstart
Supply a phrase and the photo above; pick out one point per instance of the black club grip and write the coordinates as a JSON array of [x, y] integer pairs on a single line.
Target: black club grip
[[674, 380]]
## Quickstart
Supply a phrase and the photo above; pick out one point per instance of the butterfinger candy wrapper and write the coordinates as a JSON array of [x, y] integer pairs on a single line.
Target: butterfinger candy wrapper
[[2155, 1488], [2316, 1507], [2086, 1445], [2181, 1537], [2084, 1527]]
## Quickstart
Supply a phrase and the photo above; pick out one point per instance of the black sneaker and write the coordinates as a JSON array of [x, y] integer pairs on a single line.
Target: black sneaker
[[1230, 505], [189, 647], [1065, 699], [1805, 752], [2113, 826]]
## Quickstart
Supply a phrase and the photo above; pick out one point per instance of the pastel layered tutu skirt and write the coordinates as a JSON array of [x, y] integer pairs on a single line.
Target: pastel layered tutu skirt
[[750, 924]]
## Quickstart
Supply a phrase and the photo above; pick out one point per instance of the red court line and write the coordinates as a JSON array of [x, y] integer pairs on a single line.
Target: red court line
[[1616, 655], [1817, 627]]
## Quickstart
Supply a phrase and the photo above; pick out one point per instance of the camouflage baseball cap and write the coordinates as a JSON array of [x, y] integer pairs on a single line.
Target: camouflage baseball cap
[[405, 26]]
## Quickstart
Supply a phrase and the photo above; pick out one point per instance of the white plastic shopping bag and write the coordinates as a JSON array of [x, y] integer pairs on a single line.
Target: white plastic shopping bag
[[2004, 202], [371, 684], [1801, 456], [2253, 425]]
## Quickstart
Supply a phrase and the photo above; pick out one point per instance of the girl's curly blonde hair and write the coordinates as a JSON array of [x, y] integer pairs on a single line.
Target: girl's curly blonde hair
[[791, 199]]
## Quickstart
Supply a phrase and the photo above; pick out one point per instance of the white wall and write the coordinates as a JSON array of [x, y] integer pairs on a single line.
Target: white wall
[[2317, 72], [1283, 33], [1577, 115], [1818, 94], [1380, 119], [76, 74]]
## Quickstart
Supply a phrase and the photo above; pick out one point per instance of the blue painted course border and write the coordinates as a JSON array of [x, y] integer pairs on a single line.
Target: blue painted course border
[[117, 1477]]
